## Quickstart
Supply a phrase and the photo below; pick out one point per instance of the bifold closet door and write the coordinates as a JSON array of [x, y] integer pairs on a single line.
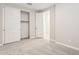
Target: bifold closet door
[[12, 24], [46, 22], [24, 25]]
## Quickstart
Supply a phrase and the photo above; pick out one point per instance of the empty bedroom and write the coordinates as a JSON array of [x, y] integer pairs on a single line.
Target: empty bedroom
[[39, 28]]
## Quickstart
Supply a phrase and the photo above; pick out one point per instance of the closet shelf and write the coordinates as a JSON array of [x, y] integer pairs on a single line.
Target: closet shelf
[[25, 21]]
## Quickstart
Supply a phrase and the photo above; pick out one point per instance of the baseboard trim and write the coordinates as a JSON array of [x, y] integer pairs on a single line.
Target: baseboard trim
[[67, 46]]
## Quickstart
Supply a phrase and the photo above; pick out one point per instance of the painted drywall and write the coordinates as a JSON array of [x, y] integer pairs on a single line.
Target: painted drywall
[[46, 24], [39, 25], [1, 21], [67, 24], [52, 22]]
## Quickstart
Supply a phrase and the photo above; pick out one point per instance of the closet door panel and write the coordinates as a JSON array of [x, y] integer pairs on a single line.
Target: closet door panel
[[39, 25], [12, 24]]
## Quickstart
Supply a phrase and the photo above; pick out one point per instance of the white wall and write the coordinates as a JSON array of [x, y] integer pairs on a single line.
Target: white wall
[[1, 21], [46, 24], [52, 23], [67, 24]]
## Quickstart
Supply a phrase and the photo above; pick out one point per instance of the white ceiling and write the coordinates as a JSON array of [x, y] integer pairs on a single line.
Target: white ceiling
[[34, 6]]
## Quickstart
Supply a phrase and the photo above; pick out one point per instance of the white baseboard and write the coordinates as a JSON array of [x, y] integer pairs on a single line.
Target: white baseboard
[[68, 46]]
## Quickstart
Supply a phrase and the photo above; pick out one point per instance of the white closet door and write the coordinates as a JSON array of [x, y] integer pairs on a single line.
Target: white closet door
[[39, 25], [46, 22], [12, 24]]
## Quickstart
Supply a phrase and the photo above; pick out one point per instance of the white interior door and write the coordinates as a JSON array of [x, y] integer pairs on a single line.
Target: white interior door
[[24, 25], [39, 25], [12, 24]]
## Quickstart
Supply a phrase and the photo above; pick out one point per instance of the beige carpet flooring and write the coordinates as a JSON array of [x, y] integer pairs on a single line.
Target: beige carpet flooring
[[35, 47]]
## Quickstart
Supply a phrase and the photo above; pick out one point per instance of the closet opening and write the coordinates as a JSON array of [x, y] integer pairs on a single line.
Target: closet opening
[[25, 25]]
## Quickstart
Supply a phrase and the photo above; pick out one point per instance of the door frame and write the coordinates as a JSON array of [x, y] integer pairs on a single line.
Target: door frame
[[28, 23]]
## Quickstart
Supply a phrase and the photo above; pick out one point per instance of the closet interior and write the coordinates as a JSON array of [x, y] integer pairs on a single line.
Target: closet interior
[[25, 25]]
